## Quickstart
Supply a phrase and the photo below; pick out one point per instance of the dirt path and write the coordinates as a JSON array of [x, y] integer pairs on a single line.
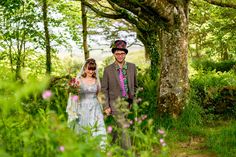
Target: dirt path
[[192, 148]]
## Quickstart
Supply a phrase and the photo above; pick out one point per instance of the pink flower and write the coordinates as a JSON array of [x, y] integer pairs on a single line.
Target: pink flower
[[109, 129], [144, 117], [139, 121], [136, 119], [74, 82], [131, 122], [161, 131], [47, 94], [162, 140], [62, 148], [74, 97], [126, 125], [163, 144]]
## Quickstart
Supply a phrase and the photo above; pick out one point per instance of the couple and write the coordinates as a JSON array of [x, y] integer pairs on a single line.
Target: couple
[[119, 81]]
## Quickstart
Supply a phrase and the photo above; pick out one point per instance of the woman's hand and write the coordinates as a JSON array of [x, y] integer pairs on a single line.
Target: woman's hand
[[108, 111]]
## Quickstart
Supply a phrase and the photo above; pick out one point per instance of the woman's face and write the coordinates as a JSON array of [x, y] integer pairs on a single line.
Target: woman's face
[[89, 72]]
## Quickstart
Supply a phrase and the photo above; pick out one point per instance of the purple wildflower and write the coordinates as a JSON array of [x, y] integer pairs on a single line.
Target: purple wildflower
[[144, 117], [162, 140], [47, 94], [62, 148], [131, 122], [163, 144], [109, 129], [161, 131], [126, 125]]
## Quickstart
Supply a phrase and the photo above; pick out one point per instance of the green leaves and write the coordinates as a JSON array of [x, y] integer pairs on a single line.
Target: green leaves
[[212, 32]]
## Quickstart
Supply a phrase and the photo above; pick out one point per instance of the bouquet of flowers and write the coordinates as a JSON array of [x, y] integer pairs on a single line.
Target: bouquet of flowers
[[73, 88], [72, 104]]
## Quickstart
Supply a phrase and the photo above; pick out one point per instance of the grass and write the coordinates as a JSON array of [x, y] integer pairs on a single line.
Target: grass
[[137, 57]]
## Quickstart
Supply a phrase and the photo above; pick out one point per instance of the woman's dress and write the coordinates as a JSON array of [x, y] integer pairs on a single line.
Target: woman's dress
[[89, 112]]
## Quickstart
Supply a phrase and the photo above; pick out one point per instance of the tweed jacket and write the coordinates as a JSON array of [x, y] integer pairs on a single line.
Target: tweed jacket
[[111, 84]]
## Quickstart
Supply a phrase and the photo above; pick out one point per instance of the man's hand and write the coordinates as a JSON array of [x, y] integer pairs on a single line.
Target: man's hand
[[108, 111]]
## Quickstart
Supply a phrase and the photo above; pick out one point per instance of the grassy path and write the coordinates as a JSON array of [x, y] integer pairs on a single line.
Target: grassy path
[[220, 136], [195, 147]]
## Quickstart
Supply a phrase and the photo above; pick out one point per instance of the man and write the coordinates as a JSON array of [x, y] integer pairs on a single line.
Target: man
[[119, 81]]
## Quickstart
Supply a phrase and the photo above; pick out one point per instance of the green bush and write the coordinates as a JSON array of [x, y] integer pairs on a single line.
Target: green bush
[[208, 65], [192, 115], [147, 93], [215, 91], [28, 131]]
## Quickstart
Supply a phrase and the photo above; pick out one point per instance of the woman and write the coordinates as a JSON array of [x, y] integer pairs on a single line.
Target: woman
[[86, 112]]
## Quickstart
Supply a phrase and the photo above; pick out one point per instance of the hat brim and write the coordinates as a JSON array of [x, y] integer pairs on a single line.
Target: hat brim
[[114, 49]]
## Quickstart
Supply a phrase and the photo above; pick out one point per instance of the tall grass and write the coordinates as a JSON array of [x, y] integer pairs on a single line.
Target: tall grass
[[223, 141]]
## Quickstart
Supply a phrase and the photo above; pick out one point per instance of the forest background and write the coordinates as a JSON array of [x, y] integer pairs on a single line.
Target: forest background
[[186, 102]]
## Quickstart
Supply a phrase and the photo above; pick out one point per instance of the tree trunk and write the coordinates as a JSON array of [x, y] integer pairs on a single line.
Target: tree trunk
[[18, 65], [174, 65], [10, 55], [85, 32], [224, 52], [19, 59], [47, 37], [197, 47], [150, 42]]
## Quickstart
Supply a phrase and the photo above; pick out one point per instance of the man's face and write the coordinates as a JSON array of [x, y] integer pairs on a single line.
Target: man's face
[[119, 56]]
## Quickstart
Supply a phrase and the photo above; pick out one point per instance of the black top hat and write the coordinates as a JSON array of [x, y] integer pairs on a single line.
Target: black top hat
[[119, 45]]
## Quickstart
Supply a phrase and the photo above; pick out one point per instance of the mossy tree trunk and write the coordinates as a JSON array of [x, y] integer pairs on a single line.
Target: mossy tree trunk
[[150, 41], [174, 82], [47, 36]]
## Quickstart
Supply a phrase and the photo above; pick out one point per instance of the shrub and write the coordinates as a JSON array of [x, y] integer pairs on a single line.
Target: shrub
[[207, 65], [147, 93], [215, 91], [192, 113]]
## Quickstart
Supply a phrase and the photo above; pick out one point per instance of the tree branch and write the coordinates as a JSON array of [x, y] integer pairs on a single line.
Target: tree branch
[[153, 9], [222, 3], [121, 14], [111, 16], [127, 16]]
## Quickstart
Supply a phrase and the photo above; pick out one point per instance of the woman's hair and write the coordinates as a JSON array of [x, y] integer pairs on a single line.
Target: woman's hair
[[91, 65]]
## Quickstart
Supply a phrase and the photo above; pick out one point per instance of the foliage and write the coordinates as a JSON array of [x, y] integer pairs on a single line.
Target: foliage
[[192, 115], [212, 31], [147, 93], [37, 132], [108, 61], [147, 140], [215, 91], [208, 65]]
